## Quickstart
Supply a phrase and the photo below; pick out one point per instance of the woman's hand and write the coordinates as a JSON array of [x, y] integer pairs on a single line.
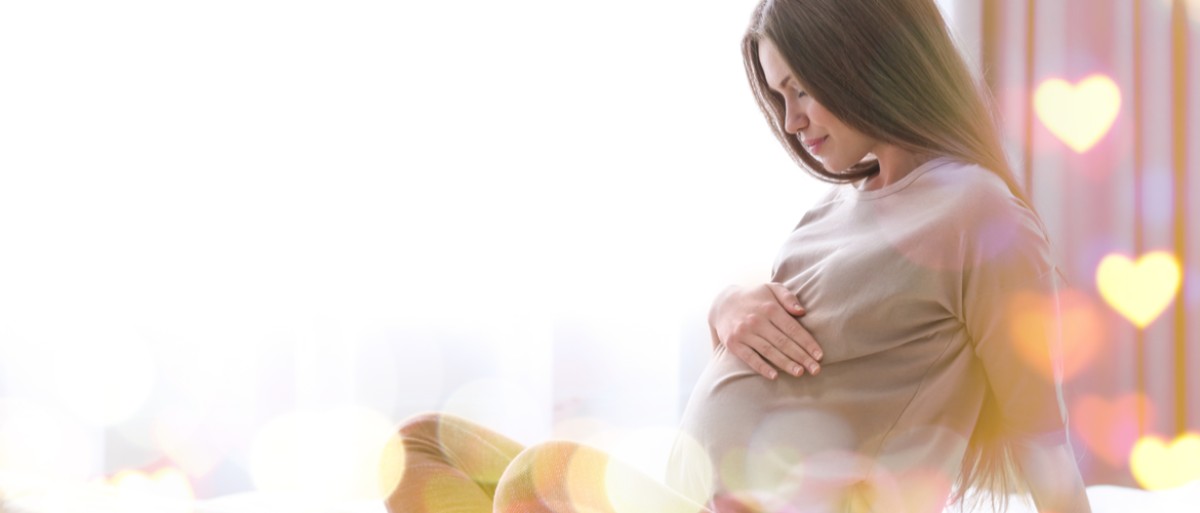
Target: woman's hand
[[756, 324]]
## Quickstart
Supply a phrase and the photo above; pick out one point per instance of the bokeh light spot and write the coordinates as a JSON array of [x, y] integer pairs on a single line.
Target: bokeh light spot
[[1032, 325], [334, 453], [1139, 290], [775, 453], [1159, 465], [1080, 114], [1109, 427], [167, 484], [391, 465], [631, 491]]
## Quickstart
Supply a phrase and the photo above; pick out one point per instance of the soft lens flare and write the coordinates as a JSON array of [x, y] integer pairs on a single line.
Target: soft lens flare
[[1139, 290], [1159, 465], [166, 483], [1080, 114], [1032, 326], [335, 454]]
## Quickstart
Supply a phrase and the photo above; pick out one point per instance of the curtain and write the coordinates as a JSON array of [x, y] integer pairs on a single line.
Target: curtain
[[1100, 107]]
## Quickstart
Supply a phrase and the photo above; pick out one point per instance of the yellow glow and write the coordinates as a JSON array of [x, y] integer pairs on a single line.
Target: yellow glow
[[1031, 322], [391, 465], [925, 490], [166, 483], [335, 453], [1078, 114], [630, 491], [565, 473], [1139, 290], [645, 449], [1158, 465], [640, 456]]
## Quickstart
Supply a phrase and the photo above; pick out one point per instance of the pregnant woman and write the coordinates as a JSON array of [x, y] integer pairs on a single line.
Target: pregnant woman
[[900, 359]]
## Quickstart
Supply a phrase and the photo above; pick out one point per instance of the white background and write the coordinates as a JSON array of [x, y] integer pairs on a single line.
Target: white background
[[219, 217]]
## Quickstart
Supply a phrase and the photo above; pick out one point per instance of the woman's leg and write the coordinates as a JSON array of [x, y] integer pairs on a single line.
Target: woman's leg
[[451, 465], [565, 477]]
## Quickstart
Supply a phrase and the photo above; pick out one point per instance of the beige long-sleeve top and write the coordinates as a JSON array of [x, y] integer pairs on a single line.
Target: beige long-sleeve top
[[924, 295]]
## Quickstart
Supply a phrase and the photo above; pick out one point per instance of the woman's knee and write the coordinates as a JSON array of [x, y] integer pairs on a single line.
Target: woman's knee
[[421, 424]]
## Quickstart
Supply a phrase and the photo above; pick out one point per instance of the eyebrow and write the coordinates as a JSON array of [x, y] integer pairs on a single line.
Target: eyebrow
[[783, 83]]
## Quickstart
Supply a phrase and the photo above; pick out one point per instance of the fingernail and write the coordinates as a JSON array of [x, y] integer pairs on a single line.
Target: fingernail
[[818, 354], [771, 374], [815, 369], [796, 370], [796, 306]]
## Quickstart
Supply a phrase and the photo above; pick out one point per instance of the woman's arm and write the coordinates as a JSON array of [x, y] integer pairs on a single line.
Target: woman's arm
[[1053, 477], [758, 325], [1011, 311]]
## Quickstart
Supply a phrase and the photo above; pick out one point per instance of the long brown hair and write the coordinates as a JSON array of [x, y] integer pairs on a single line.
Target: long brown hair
[[890, 69]]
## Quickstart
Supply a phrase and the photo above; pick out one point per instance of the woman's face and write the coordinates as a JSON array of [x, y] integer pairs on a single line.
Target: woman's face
[[824, 135]]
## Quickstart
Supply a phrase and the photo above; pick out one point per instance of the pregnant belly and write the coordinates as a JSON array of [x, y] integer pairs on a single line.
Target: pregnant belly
[[820, 438], [765, 439]]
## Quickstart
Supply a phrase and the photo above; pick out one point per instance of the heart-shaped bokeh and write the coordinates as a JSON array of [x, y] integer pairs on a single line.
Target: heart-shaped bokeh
[[1109, 427], [1139, 290], [1159, 465], [1078, 114]]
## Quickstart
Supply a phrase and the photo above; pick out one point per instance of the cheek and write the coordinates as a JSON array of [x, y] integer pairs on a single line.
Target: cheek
[[818, 114]]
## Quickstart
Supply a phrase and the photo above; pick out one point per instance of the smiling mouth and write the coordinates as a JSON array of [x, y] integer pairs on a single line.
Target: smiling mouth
[[815, 145]]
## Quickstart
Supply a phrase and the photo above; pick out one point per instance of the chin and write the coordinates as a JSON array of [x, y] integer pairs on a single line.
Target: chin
[[835, 167]]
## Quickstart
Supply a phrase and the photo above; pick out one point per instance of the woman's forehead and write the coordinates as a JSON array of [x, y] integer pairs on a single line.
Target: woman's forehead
[[775, 68]]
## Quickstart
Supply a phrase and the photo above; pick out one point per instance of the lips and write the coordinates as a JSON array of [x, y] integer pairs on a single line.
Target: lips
[[814, 145]]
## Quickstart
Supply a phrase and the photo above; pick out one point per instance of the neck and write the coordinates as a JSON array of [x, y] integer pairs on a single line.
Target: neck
[[894, 164]]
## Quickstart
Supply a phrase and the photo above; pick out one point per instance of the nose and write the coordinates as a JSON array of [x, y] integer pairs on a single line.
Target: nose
[[794, 120]]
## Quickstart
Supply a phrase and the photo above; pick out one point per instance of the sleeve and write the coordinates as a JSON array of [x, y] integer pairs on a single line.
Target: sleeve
[[1010, 308]]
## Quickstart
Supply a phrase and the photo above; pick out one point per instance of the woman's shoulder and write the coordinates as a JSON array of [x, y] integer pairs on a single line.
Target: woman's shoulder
[[964, 179], [990, 220], [973, 193]]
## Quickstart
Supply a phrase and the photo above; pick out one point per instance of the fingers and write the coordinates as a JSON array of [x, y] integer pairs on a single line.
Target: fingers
[[795, 333], [760, 328], [765, 355], [786, 298], [773, 353], [792, 353], [789, 326], [796, 342], [793, 340], [752, 358]]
